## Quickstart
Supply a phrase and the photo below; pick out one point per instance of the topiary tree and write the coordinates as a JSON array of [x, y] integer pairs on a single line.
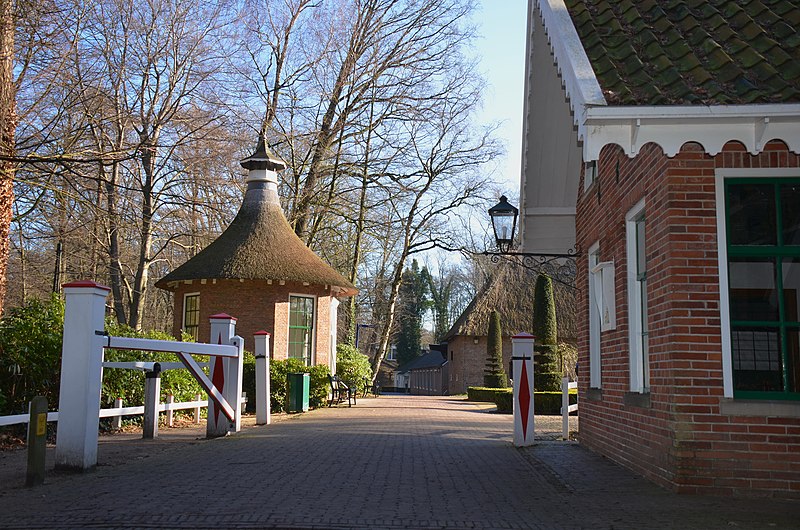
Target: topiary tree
[[547, 368], [495, 375]]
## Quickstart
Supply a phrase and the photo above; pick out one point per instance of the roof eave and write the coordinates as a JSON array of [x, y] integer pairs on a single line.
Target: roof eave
[[671, 127], [580, 83]]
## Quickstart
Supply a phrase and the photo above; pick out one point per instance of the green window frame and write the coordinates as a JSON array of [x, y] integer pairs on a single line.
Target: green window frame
[[762, 220], [191, 314], [301, 327]]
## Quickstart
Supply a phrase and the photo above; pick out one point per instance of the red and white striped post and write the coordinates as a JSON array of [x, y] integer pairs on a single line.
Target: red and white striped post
[[522, 358], [226, 375], [261, 352]]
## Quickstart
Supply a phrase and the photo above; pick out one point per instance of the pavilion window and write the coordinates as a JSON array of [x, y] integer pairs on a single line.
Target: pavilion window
[[301, 328]]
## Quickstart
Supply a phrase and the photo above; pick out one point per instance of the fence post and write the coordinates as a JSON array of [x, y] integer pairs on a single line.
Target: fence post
[[170, 415], [522, 357], [197, 409], [81, 375], [116, 421], [565, 408], [226, 375], [152, 395], [263, 414], [37, 441]]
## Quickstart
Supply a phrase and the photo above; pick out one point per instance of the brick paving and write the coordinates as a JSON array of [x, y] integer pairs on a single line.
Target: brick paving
[[387, 463]]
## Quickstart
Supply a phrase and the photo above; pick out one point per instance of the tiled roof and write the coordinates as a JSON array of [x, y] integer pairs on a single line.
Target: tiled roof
[[683, 52]]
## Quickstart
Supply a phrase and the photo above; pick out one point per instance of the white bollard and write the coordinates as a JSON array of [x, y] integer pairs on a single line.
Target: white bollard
[[522, 358], [197, 409], [263, 415], [152, 398], [170, 414], [81, 375], [116, 421], [226, 374]]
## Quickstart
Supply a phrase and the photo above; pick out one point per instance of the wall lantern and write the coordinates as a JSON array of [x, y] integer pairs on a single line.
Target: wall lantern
[[504, 223]]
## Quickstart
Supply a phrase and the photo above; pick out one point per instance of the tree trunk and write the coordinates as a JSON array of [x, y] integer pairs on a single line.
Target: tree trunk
[[8, 121], [114, 263]]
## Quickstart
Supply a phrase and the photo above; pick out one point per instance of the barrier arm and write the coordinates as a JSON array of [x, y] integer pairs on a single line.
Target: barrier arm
[[207, 385]]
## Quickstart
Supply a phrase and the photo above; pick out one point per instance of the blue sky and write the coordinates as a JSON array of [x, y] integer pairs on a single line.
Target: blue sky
[[501, 50]]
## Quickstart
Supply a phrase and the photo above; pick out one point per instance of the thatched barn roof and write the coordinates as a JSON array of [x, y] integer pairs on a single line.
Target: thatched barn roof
[[259, 244], [510, 292]]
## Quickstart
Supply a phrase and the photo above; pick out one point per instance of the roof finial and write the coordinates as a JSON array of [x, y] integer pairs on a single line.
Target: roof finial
[[262, 158]]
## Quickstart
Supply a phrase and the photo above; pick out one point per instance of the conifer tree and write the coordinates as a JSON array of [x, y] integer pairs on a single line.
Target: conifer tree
[[495, 375], [546, 373]]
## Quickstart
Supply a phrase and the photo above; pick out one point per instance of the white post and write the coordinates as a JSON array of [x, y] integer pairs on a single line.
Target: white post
[[565, 408], [116, 422], [263, 415], [152, 398], [226, 375], [334, 332], [81, 375], [522, 358], [170, 415], [197, 409]]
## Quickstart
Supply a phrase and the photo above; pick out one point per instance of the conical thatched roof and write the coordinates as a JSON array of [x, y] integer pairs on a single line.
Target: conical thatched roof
[[510, 292], [259, 244]]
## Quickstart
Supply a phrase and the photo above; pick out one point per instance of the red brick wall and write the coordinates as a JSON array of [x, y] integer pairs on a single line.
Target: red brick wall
[[257, 305], [681, 440], [468, 362]]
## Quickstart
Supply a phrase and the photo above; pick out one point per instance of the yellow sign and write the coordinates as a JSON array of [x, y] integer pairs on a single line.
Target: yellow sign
[[41, 424]]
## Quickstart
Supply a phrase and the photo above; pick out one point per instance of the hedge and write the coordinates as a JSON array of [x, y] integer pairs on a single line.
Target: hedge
[[545, 403]]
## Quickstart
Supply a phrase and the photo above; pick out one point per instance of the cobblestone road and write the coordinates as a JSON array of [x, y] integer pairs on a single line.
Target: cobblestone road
[[391, 462]]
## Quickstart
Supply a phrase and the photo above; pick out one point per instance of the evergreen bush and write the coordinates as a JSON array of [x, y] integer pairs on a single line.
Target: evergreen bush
[[494, 375], [279, 387], [30, 354], [547, 367]]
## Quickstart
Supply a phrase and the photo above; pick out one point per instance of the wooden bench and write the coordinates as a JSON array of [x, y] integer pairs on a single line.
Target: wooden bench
[[341, 391]]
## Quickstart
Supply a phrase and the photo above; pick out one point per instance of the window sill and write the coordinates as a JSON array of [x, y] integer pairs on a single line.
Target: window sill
[[594, 394], [754, 407], [636, 399]]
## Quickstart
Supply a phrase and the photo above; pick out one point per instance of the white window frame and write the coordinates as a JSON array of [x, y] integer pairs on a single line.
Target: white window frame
[[722, 255], [594, 318], [639, 367], [314, 326], [183, 311]]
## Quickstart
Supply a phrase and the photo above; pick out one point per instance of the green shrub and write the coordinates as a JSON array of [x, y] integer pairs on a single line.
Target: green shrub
[[547, 367], [30, 354], [353, 367], [544, 403], [278, 382]]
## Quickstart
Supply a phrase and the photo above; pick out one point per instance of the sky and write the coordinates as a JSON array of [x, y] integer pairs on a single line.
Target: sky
[[501, 51]]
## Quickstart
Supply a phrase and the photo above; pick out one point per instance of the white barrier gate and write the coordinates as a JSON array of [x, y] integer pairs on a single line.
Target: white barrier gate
[[82, 372]]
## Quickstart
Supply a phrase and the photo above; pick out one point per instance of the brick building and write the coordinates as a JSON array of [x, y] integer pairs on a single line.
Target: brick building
[[260, 272], [663, 141], [510, 292]]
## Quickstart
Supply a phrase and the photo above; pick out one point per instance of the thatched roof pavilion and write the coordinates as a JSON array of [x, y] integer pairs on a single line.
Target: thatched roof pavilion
[[259, 244], [260, 272]]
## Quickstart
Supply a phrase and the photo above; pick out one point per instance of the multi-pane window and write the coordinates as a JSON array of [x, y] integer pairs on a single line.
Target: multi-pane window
[[637, 299], [301, 327], [191, 314], [763, 249]]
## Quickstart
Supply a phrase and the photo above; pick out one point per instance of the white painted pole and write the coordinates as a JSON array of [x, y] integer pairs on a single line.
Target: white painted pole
[[263, 414], [170, 414], [116, 421], [152, 398], [565, 408], [81, 375], [226, 375], [522, 358], [197, 409]]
